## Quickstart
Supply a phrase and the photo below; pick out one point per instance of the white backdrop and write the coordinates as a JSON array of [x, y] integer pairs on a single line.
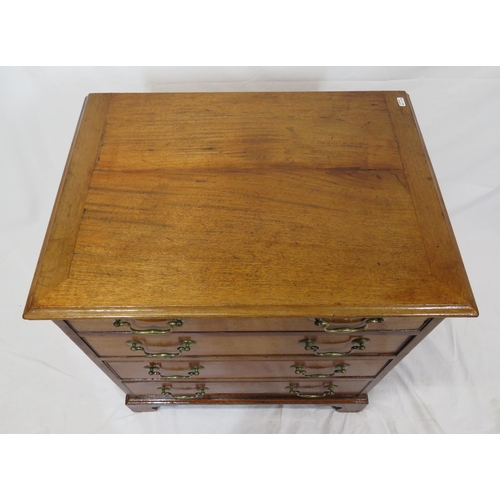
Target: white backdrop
[[448, 384]]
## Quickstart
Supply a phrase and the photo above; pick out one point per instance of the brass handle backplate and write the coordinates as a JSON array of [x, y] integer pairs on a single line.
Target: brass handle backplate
[[326, 326], [155, 370], [200, 392], [184, 345], [329, 391], [173, 323], [357, 344], [300, 370]]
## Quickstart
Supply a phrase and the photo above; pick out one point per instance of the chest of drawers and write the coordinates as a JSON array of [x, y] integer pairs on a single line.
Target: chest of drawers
[[248, 248]]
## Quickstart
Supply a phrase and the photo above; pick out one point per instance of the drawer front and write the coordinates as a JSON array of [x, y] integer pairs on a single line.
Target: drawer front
[[239, 344], [192, 390], [247, 324], [249, 369]]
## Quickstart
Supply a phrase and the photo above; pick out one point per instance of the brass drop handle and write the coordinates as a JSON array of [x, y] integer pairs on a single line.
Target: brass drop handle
[[173, 323], [300, 370], [329, 391], [155, 370], [184, 345], [326, 326], [357, 344], [165, 391]]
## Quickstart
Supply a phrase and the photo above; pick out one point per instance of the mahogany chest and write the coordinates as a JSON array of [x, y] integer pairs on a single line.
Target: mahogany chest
[[262, 248]]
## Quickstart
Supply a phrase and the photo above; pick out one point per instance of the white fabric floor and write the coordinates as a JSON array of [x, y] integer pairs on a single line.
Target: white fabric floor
[[449, 384]]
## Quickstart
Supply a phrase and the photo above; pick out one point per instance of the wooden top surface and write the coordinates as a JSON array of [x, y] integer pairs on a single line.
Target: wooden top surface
[[248, 204]]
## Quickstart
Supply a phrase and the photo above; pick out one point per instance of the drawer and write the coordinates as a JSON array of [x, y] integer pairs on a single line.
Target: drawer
[[247, 324], [244, 344], [193, 390], [250, 369]]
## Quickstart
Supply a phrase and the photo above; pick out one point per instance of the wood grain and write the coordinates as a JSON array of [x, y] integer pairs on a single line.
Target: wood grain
[[225, 131], [247, 324], [247, 369], [57, 251], [73, 336], [248, 215], [405, 351], [339, 403], [437, 234], [255, 388], [241, 344], [268, 204]]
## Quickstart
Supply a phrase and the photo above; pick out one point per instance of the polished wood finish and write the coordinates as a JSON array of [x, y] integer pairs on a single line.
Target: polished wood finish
[[241, 344], [56, 256], [91, 354], [249, 387], [250, 205], [338, 403], [246, 324], [247, 368], [248, 216], [439, 241]]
